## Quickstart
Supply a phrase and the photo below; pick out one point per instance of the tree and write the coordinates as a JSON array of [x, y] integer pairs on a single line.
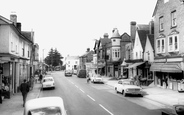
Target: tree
[[54, 58]]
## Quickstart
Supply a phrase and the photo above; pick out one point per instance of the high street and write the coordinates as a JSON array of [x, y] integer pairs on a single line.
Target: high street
[[82, 98]]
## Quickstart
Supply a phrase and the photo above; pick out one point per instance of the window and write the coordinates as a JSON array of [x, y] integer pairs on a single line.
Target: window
[[75, 62], [68, 62], [160, 45], [12, 46], [173, 43], [116, 53], [161, 23], [136, 55], [173, 18], [109, 69]]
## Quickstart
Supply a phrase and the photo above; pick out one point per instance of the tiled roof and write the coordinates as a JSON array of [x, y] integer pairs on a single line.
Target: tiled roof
[[142, 35], [151, 38], [104, 40], [125, 37], [27, 35], [143, 27]]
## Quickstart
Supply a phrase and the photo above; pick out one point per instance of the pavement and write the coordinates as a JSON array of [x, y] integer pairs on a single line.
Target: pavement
[[167, 97]]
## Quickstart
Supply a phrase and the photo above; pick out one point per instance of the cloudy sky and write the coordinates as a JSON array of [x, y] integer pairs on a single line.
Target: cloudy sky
[[72, 25]]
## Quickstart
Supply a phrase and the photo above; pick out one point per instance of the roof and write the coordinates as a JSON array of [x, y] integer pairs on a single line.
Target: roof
[[104, 41], [6, 20], [27, 35], [151, 39], [143, 27], [125, 37], [115, 33], [87, 53], [72, 57], [44, 102], [142, 35]]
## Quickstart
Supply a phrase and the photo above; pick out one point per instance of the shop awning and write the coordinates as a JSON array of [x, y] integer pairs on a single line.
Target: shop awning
[[134, 65], [156, 66], [166, 67], [171, 67], [101, 66]]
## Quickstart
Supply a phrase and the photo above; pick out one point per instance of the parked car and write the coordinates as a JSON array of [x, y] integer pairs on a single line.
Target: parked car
[[45, 106], [48, 82], [68, 72], [96, 78], [125, 86], [82, 73]]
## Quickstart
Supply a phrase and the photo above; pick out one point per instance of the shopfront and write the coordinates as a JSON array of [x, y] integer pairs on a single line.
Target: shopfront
[[168, 75]]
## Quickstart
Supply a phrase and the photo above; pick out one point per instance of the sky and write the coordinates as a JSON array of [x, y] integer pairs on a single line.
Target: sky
[[71, 26]]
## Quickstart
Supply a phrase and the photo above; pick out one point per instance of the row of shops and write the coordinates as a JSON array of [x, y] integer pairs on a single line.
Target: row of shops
[[12, 73], [167, 74]]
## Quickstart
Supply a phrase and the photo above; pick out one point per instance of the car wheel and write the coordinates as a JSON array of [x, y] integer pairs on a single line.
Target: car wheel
[[116, 90], [123, 92]]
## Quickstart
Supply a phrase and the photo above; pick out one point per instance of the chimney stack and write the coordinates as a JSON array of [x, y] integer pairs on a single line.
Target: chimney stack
[[13, 18], [132, 30], [151, 27], [88, 49], [19, 26], [106, 35]]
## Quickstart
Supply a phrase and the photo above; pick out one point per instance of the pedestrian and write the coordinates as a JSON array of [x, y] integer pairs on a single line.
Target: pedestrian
[[40, 77], [24, 88], [166, 81]]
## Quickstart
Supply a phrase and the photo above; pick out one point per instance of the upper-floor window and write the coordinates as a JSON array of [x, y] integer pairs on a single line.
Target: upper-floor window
[[75, 62], [160, 45], [68, 62], [161, 23], [173, 44], [173, 18], [12, 46], [116, 53]]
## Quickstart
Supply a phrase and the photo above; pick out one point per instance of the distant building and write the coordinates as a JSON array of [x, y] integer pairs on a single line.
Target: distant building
[[72, 62]]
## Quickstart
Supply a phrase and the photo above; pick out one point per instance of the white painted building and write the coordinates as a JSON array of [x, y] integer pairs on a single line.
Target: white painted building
[[72, 62]]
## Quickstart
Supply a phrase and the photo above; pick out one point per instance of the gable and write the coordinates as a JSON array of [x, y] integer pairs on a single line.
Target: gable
[[137, 43]]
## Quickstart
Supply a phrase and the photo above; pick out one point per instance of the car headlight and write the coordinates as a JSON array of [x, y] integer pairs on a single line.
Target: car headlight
[[126, 90]]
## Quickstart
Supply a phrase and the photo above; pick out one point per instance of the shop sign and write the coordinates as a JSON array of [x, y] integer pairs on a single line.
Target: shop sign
[[1, 70]]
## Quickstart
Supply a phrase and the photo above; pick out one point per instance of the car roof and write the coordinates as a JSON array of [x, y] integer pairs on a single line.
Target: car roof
[[48, 77], [44, 102]]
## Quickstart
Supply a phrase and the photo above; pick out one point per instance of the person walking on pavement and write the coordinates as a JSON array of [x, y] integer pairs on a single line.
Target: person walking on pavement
[[24, 88], [40, 77]]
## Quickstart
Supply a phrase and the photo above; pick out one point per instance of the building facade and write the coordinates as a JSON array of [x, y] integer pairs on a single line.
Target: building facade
[[169, 49], [15, 54]]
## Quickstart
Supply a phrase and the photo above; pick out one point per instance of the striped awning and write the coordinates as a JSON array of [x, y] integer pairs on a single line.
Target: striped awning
[[166, 67], [135, 65]]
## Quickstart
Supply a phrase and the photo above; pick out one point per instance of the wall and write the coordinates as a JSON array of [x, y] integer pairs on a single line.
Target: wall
[[165, 10], [4, 38]]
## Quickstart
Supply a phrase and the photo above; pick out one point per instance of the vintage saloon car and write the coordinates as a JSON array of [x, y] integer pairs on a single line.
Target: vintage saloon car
[[125, 86], [45, 106], [48, 82]]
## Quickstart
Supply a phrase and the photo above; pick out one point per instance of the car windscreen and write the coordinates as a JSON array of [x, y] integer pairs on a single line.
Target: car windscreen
[[46, 111], [47, 80]]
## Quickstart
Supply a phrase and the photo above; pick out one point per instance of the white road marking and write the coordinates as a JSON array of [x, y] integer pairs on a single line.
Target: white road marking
[[105, 109], [82, 91], [91, 98], [76, 86]]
